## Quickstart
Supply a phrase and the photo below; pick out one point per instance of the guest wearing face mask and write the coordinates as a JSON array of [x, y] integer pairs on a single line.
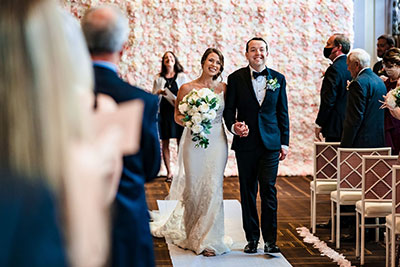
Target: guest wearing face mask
[[332, 109], [333, 91], [391, 65]]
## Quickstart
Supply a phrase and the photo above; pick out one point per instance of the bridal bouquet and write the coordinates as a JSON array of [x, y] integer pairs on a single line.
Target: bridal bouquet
[[393, 98], [199, 108]]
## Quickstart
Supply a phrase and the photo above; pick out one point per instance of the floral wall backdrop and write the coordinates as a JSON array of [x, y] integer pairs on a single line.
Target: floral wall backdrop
[[296, 31]]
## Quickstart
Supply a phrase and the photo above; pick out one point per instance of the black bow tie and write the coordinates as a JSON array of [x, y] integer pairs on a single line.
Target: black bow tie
[[263, 73]]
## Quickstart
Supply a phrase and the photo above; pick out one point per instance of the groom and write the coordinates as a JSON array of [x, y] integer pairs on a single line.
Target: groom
[[256, 112]]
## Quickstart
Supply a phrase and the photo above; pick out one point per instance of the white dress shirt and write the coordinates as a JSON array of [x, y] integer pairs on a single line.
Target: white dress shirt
[[259, 86]]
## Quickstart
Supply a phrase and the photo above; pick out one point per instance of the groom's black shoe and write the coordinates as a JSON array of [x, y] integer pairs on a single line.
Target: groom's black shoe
[[271, 248], [251, 247]]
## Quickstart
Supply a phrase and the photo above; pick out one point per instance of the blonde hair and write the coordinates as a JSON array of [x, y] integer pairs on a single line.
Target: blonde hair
[[40, 88]]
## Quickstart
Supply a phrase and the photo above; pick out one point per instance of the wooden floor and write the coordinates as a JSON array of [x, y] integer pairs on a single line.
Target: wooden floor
[[293, 212]]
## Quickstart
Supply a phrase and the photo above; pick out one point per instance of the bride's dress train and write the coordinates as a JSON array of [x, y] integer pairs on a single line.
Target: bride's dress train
[[197, 222]]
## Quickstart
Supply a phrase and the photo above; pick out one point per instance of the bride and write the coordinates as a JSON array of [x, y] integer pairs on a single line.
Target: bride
[[197, 222]]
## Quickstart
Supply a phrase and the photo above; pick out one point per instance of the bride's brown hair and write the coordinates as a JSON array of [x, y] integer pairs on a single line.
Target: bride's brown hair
[[221, 59]]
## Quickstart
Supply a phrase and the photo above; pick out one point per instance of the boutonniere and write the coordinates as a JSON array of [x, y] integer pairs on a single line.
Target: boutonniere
[[272, 84]]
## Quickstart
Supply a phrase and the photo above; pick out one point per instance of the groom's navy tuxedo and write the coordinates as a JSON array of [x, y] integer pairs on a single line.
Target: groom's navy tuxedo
[[258, 154]]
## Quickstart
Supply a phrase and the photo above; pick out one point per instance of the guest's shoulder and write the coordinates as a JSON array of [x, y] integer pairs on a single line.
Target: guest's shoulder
[[340, 63]]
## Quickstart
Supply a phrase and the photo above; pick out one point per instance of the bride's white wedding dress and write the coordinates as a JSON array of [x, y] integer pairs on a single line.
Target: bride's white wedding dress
[[197, 222]]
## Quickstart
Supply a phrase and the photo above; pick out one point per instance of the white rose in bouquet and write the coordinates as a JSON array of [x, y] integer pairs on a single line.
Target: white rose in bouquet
[[197, 128], [196, 118], [193, 110], [210, 115], [193, 98], [204, 92], [183, 108], [204, 107]]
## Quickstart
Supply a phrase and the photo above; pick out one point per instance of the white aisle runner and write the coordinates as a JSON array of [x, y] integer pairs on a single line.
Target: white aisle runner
[[233, 229]]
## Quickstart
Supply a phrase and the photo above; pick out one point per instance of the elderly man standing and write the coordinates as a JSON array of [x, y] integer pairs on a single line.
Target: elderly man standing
[[364, 122], [385, 42], [106, 31], [333, 91]]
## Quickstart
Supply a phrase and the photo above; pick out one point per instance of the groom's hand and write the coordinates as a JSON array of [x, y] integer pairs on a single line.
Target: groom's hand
[[283, 153], [241, 129]]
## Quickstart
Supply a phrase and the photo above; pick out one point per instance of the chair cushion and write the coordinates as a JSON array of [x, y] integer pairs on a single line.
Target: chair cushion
[[323, 187], [350, 197], [375, 209], [389, 222]]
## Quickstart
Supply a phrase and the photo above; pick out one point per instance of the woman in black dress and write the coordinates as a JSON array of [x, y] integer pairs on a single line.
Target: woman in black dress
[[166, 85]]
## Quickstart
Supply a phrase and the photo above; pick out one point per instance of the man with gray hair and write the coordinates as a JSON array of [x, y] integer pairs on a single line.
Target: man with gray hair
[[106, 31], [363, 125]]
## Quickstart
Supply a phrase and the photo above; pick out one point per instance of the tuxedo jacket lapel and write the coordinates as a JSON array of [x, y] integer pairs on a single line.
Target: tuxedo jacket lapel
[[267, 92], [247, 77]]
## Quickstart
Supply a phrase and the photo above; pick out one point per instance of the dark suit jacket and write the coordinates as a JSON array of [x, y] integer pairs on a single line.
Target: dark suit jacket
[[332, 109], [378, 69], [364, 123], [29, 227], [132, 242], [269, 123]]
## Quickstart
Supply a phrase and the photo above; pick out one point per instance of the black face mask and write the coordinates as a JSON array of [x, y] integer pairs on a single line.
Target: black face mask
[[327, 51]]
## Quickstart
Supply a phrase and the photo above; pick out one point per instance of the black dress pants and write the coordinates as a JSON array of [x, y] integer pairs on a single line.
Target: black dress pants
[[258, 167]]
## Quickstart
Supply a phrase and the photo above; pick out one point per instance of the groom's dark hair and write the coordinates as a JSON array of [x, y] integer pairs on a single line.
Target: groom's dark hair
[[256, 39]]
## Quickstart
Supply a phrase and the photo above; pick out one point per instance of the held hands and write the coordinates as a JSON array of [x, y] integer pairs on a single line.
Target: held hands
[[241, 129]]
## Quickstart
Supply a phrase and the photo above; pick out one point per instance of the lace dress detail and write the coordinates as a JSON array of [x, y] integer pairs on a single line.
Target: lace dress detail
[[197, 222]]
